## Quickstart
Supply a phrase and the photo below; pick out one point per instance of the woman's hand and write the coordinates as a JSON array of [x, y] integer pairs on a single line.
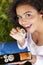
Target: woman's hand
[[18, 34], [20, 63], [15, 33], [33, 60]]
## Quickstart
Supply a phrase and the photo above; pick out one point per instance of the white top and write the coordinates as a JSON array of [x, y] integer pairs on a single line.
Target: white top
[[35, 50]]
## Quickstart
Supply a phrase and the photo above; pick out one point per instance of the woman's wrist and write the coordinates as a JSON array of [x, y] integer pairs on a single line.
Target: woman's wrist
[[21, 43]]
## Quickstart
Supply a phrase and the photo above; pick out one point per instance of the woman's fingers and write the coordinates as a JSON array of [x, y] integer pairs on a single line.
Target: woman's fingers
[[18, 28], [33, 60], [17, 34], [22, 62], [12, 35], [13, 30]]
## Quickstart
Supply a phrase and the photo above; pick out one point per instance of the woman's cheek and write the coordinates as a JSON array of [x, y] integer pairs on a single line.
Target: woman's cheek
[[32, 29]]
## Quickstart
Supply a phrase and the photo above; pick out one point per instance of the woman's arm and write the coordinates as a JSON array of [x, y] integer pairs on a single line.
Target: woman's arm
[[22, 45], [36, 60]]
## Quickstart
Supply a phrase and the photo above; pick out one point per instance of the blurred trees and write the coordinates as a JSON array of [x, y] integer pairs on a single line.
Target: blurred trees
[[5, 24]]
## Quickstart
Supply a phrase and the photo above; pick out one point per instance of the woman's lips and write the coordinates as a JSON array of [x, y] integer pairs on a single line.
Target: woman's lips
[[29, 26]]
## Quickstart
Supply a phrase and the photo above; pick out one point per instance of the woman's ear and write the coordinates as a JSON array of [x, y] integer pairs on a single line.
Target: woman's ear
[[41, 12]]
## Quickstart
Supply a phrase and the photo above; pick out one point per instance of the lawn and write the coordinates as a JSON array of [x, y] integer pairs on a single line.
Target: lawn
[[5, 23]]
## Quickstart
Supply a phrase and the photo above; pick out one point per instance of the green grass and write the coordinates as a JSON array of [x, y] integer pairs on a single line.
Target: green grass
[[5, 23]]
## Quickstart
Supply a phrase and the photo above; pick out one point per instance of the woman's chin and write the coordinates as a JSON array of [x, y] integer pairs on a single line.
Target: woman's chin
[[30, 31]]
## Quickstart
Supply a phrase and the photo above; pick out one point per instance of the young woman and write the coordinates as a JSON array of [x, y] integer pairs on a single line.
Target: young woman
[[29, 14]]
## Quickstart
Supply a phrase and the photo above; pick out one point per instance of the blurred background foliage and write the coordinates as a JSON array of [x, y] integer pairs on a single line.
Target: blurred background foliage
[[5, 23]]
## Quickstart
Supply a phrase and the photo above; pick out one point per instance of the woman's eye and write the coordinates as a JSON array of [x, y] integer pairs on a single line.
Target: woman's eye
[[28, 15], [18, 18]]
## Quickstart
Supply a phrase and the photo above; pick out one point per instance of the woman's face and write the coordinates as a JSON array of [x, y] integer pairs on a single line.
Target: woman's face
[[28, 17]]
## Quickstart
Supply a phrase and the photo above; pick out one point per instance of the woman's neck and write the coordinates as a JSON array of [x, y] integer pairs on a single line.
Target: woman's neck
[[40, 28], [40, 39], [37, 38], [38, 35]]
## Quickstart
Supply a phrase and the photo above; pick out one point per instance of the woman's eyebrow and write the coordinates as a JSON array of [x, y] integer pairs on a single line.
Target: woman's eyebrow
[[23, 13], [27, 12]]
